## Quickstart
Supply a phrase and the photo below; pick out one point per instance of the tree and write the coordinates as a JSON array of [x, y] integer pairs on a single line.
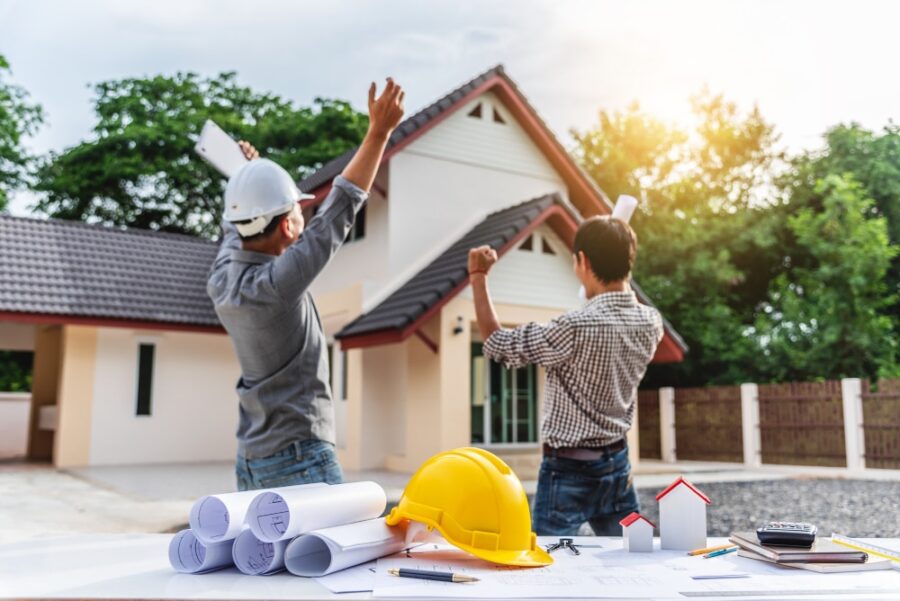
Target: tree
[[18, 118], [139, 169], [707, 240], [828, 318]]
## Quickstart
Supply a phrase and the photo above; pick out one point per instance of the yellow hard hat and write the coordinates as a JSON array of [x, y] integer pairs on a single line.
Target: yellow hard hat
[[477, 503]]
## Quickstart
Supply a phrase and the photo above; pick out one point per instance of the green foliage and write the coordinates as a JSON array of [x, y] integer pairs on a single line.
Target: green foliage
[[140, 170], [15, 371], [831, 312], [767, 278], [18, 118]]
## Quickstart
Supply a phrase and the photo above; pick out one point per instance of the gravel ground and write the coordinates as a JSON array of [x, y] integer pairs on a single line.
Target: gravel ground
[[850, 507]]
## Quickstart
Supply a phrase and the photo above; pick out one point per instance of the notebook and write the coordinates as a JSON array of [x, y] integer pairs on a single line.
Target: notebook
[[821, 551], [873, 563]]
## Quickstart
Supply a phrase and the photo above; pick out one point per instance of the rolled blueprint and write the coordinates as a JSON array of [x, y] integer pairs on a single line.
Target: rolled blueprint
[[189, 555], [282, 514], [255, 557], [215, 518], [328, 550], [625, 206]]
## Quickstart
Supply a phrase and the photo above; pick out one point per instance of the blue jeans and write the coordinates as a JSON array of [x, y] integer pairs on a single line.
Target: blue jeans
[[571, 492], [300, 462]]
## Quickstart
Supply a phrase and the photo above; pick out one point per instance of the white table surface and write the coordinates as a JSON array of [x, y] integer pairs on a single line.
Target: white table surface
[[135, 566]]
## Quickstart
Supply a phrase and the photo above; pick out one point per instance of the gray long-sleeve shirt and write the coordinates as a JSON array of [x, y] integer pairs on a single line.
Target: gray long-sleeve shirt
[[263, 301]]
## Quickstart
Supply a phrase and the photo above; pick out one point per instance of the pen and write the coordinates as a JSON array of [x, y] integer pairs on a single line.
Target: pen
[[709, 549], [431, 575], [720, 552]]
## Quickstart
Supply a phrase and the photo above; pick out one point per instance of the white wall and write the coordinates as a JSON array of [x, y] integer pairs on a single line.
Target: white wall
[[14, 410], [535, 279], [384, 404], [463, 168], [194, 406]]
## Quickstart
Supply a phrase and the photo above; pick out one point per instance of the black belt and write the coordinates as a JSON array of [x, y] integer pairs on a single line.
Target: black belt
[[585, 453]]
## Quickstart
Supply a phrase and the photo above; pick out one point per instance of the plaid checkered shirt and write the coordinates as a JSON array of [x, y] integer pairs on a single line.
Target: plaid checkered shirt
[[595, 356]]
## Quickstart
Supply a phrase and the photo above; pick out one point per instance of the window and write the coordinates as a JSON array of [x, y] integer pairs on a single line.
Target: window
[[504, 402], [498, 118], [358, 231], [145, 378], [528, 244], [476, 112], [545, 247]]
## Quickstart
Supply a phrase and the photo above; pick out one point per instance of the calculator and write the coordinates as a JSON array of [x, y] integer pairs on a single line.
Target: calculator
[[787, 534]]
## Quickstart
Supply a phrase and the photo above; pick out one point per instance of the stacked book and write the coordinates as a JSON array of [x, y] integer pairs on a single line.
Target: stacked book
[[823, 556]]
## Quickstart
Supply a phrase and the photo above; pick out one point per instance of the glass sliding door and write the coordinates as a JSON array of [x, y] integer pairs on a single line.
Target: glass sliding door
[[504, 402]]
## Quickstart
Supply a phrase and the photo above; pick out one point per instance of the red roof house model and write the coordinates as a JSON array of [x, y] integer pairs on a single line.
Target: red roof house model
[[675, 484]]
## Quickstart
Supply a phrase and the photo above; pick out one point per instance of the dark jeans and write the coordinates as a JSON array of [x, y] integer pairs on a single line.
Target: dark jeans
[[302, 462], [571, 492]]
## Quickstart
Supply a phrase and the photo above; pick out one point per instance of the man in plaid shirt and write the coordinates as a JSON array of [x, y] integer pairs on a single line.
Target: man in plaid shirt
[[594, 356]]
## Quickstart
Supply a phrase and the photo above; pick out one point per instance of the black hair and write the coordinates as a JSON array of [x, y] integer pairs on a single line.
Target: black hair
[[267, 231], [609, 245]]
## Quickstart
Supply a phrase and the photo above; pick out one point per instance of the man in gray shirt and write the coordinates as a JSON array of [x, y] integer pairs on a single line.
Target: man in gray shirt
[[260, 283]]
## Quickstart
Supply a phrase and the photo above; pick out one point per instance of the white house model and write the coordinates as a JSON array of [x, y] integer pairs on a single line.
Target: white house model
[[637, 533], [682, 516]]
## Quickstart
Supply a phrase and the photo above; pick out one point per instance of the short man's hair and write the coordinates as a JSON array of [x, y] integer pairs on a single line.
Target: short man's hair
[[267, 231], [609, 245]]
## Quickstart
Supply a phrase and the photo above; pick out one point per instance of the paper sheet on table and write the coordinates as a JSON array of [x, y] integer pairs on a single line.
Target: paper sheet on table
[[282, 514], [328, 550], [358, 579], [570, 576], [215, 518], [255, 557], [857, 583], [219, 149], [188, 555]]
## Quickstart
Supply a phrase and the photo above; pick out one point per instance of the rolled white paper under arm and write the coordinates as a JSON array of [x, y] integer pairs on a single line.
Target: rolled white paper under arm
[[328, 550], [189, 555], [215, 518], [625, 206], [283, 514], [255, 557]]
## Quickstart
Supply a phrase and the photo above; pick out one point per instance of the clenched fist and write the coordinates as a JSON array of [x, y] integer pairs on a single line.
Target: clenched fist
[[481, 259]]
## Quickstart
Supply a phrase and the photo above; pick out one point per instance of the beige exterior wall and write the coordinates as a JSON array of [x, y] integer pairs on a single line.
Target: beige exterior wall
[[72, 442]]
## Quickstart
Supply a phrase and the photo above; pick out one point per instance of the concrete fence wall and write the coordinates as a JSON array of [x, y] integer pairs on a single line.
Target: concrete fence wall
[[849, 423], [14, 409]]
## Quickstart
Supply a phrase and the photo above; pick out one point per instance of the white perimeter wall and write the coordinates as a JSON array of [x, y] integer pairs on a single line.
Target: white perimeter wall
[[194, 406]]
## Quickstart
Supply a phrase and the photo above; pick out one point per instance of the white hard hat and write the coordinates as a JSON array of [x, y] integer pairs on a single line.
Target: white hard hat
[[258, 192]]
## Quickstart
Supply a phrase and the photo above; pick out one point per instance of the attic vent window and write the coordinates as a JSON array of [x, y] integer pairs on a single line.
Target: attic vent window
[[476, 112], [498, 118], [527, 244], [545, 247]]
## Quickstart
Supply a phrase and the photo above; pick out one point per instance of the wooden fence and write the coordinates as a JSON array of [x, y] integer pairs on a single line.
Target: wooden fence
[[881, 423], [648, 424], [708, 423], [800, 423]]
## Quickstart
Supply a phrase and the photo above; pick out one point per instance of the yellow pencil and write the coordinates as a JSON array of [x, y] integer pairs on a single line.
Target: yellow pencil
[[709, 549]]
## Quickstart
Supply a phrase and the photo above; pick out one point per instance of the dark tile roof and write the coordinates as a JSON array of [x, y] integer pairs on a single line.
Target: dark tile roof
[[425, 289], [73, 269], [329, 170], [429, 286]]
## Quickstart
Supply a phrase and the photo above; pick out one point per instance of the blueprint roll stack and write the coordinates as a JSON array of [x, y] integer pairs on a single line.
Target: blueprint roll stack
[[283, 514], [189, 555]]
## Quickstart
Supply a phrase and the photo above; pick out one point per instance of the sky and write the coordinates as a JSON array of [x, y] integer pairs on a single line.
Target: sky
[[808, 65]]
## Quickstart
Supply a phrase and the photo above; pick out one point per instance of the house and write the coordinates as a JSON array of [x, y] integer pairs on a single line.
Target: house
[[114, 309], [682, 516], [637, 533]]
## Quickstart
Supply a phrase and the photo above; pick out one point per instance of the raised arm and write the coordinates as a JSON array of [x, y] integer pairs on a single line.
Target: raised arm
[[385, 113], [294, 271]]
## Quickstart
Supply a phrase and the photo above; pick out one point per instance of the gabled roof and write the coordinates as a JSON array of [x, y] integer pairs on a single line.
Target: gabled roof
[[405, 311], [71, 272], [583, 191], [632, 518], [690, 486]]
